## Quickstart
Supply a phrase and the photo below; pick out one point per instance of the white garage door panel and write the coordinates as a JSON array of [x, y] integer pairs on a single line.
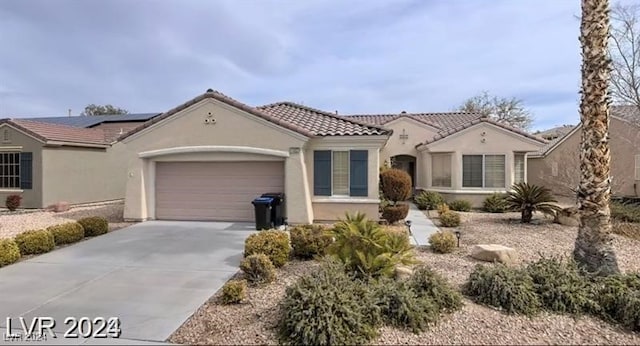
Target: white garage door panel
[[220, 191]]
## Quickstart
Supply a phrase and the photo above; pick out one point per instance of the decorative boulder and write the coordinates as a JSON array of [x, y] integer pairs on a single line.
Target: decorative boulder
[[58, 207], [402, 273], [568, 217], [494, 252]]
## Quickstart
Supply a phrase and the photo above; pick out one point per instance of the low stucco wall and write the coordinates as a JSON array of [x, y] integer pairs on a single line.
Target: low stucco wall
[[333, 211]]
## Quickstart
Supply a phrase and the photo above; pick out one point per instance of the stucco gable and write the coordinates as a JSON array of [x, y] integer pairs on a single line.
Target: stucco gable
[[483, 137]]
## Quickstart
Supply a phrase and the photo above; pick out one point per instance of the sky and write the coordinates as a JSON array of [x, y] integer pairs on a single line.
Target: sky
[[354, 57]]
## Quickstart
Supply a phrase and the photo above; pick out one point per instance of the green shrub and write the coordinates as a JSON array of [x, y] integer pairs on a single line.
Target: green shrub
[[67, 233], [427, 283], [618, 297], [13, 202], [428, 200], [496, 203], [396, 185], [507, 288], [442, 208], [327, 307], [625, 212], [626, 229], [402, 307], [94, 225], [35, 242], [274, 244], [460, 205], [561, 286], [528, 199], [365, 248], [443, 242], [258, 269], [234, 291], [450, 219], [395, 213], [9, 252], [308, 241]]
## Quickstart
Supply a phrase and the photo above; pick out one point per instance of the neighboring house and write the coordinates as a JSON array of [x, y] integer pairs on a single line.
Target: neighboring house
[[208, 158], [557, 165], [555, 132], [46, 163], [460, 155]]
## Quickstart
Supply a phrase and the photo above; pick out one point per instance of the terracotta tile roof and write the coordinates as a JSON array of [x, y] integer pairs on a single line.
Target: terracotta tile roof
[[47, 132], [440, 121], [450, 131], [319, 122], [303, 120], [555, 132]]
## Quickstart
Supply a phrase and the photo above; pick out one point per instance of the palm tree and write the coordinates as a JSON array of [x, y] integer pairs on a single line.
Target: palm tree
[[593, 249], [527, 199]]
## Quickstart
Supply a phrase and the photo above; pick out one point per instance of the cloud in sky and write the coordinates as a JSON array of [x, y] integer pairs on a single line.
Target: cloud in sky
[[357, 56]]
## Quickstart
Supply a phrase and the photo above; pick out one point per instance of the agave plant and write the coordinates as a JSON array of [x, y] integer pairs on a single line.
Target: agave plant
[[527, 199], [367, 249]]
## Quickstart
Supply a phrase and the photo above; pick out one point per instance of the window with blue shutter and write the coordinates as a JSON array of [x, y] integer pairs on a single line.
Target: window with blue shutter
[[359, 176], [26, 171], [322, 172]]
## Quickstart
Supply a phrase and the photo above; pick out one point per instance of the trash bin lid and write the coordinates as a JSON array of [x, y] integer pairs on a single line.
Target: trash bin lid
[[263, 200]]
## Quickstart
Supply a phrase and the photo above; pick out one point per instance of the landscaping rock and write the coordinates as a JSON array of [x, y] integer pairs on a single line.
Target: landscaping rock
[[494, 252], [402, 273], [568, 217], [58, 207]]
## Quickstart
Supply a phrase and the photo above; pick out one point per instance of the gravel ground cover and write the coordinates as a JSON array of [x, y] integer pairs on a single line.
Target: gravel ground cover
[[253, 322], [13, 224]]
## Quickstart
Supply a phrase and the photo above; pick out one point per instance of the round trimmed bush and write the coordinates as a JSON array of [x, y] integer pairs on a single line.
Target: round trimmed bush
[[9, 252], [328, 307], [94, 225], [460, 205], [258, 269], [13, 202], [395, 213], [499, 286], [426, 282], [35, 242], [428, 200], [234, 291], [274, 244], [450, 219], [67, 233], [443, 242], [496, 203], [308, 241], [396, 184]]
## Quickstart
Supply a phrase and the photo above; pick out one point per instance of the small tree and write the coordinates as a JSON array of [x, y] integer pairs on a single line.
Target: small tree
[[506, 110], [93, 109]]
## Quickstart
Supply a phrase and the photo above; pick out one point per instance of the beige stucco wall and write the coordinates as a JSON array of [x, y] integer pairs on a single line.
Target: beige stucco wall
[[334, 210], [235, 135], [114, 130], [81, 175], [624, 140], [417, 133], [482, 138], [19, 142]]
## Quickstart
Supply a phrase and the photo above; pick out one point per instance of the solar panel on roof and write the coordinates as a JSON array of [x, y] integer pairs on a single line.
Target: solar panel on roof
[[93, 120]]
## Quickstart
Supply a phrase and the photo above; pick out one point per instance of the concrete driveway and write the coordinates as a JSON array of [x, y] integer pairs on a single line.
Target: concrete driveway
[[152, 276]]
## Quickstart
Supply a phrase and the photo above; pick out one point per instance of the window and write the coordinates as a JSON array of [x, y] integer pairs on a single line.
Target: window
[[518, 168], [340, 173], [637, 167], [483, 171], [441, 170], [10, 170]]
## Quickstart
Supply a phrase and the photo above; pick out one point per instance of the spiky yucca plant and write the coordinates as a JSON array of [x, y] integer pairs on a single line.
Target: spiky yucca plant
[[367, 249], [527, 199]]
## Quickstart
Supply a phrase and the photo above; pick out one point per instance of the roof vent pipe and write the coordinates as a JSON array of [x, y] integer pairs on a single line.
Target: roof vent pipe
[[69, 111]]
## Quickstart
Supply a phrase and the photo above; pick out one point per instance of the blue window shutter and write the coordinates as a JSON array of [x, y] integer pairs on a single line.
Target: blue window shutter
[[322, 172], [26, 170], [359, 173]]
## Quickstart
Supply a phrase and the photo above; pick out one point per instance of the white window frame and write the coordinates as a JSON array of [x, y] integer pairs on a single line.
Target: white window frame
[[348, 173], [11, 177], [484, 171], [524, 167]]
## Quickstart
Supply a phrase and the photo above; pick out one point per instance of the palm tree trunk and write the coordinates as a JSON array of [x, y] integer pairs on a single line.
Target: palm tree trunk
[[593, 249]]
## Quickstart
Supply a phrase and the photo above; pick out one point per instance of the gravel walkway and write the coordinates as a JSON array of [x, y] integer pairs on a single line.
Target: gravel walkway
[[252, 323], [12, 224]]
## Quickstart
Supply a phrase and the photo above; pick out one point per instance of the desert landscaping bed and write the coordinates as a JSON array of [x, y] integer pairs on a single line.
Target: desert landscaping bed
[[253, 321], [13, 224]]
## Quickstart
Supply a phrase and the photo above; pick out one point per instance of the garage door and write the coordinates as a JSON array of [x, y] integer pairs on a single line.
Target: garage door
[[218, 191]]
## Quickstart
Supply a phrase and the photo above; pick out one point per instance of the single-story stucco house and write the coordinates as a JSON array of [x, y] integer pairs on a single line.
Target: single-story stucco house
[[208, 158], [557, 165]]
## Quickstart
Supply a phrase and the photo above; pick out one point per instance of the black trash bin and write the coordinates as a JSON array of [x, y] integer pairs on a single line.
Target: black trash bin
[[277, 211], [263, 207]]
